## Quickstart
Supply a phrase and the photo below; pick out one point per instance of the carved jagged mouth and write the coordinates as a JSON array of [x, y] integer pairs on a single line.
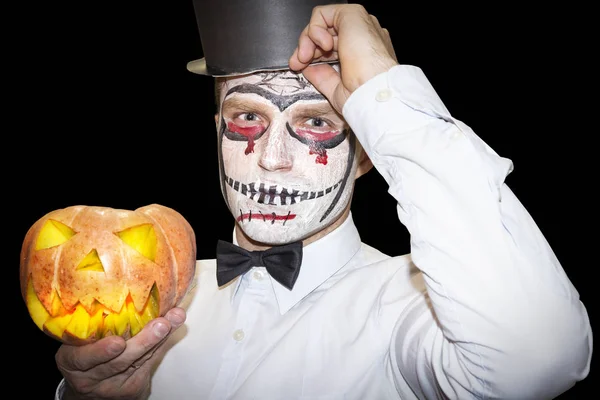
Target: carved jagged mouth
[[277, 195]]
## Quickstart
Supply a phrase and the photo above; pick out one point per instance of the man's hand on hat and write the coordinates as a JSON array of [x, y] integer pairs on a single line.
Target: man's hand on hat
[[353, 36]]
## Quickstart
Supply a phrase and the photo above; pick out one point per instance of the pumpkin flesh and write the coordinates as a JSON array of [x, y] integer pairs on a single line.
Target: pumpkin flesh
[[79, 326]]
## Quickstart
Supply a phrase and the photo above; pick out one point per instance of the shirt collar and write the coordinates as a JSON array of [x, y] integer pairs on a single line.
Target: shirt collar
[[320, 260]]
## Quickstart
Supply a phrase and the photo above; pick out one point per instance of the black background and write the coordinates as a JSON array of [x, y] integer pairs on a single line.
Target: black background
[[99, 109]]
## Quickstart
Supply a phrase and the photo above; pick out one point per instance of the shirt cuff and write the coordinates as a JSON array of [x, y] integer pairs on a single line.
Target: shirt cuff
[[406, 83], [60, 390]]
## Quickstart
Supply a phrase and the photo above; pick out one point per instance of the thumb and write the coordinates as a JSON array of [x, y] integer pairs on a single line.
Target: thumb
[[327, 80]]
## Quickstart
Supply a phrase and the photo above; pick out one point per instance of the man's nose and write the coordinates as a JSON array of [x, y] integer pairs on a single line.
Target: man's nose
[[275, 155]]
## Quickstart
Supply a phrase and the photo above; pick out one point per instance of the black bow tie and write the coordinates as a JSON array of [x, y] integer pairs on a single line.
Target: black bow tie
[[282, 262]]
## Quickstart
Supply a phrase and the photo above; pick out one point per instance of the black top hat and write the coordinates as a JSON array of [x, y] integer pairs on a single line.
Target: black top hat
[[244, 36]]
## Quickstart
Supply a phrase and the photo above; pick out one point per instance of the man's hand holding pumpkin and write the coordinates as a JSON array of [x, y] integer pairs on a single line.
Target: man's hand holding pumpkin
[[107, 283], [115, 368]]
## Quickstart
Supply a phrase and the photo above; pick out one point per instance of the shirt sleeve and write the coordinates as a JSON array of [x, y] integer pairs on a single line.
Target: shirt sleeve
[[502, 319], [60, 390]]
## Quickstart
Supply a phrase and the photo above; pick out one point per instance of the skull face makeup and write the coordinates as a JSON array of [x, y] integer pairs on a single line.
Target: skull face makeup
[[287, 159]]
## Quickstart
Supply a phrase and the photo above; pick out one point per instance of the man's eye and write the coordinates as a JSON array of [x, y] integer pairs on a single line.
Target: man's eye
[[316, 122], [248, 117]]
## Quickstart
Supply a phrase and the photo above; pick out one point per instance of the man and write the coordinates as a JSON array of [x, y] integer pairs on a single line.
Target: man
[[481, 308]]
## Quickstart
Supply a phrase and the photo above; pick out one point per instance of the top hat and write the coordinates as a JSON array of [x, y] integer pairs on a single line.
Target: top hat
[[239, 37]]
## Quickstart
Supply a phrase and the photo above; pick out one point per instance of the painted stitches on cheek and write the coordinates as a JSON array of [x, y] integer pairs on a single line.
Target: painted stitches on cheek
[[277, 195]]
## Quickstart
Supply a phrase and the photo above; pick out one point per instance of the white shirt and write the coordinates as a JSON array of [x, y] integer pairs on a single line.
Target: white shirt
[[481, 308]]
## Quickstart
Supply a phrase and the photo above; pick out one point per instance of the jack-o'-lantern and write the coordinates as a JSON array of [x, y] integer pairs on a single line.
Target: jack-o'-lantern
[[88, 272]]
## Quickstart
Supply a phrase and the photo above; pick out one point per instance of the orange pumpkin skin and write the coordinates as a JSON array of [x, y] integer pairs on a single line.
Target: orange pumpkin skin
[[87, 271]]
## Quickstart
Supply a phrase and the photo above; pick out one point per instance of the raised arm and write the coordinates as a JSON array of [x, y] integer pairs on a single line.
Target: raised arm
[[503, 320]]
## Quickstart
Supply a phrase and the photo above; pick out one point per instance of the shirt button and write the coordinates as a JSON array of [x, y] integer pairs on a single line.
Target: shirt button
[[456, 135], [258, 275], [238, 335], [384, 95]]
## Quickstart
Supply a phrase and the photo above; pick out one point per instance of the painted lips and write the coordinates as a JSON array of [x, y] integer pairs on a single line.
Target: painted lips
[[265, 217]]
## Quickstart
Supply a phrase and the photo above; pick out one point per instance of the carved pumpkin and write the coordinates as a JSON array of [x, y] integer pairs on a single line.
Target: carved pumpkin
[[87, 272]]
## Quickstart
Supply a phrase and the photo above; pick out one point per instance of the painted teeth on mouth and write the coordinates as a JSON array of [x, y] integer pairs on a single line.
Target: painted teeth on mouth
[[276, 195]]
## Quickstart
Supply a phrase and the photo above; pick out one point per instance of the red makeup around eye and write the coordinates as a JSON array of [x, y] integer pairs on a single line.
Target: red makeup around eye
[[315, 141], [317, 136], [248, 131]]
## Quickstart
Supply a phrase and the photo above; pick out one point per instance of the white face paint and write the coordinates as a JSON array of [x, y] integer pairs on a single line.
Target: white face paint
[[287, 159]]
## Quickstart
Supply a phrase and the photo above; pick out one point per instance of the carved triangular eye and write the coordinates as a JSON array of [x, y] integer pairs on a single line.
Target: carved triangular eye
[[91, 262], [52, 234], [142, 238]]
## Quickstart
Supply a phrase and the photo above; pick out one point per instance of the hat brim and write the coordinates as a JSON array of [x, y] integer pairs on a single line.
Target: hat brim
[[199, 67]]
